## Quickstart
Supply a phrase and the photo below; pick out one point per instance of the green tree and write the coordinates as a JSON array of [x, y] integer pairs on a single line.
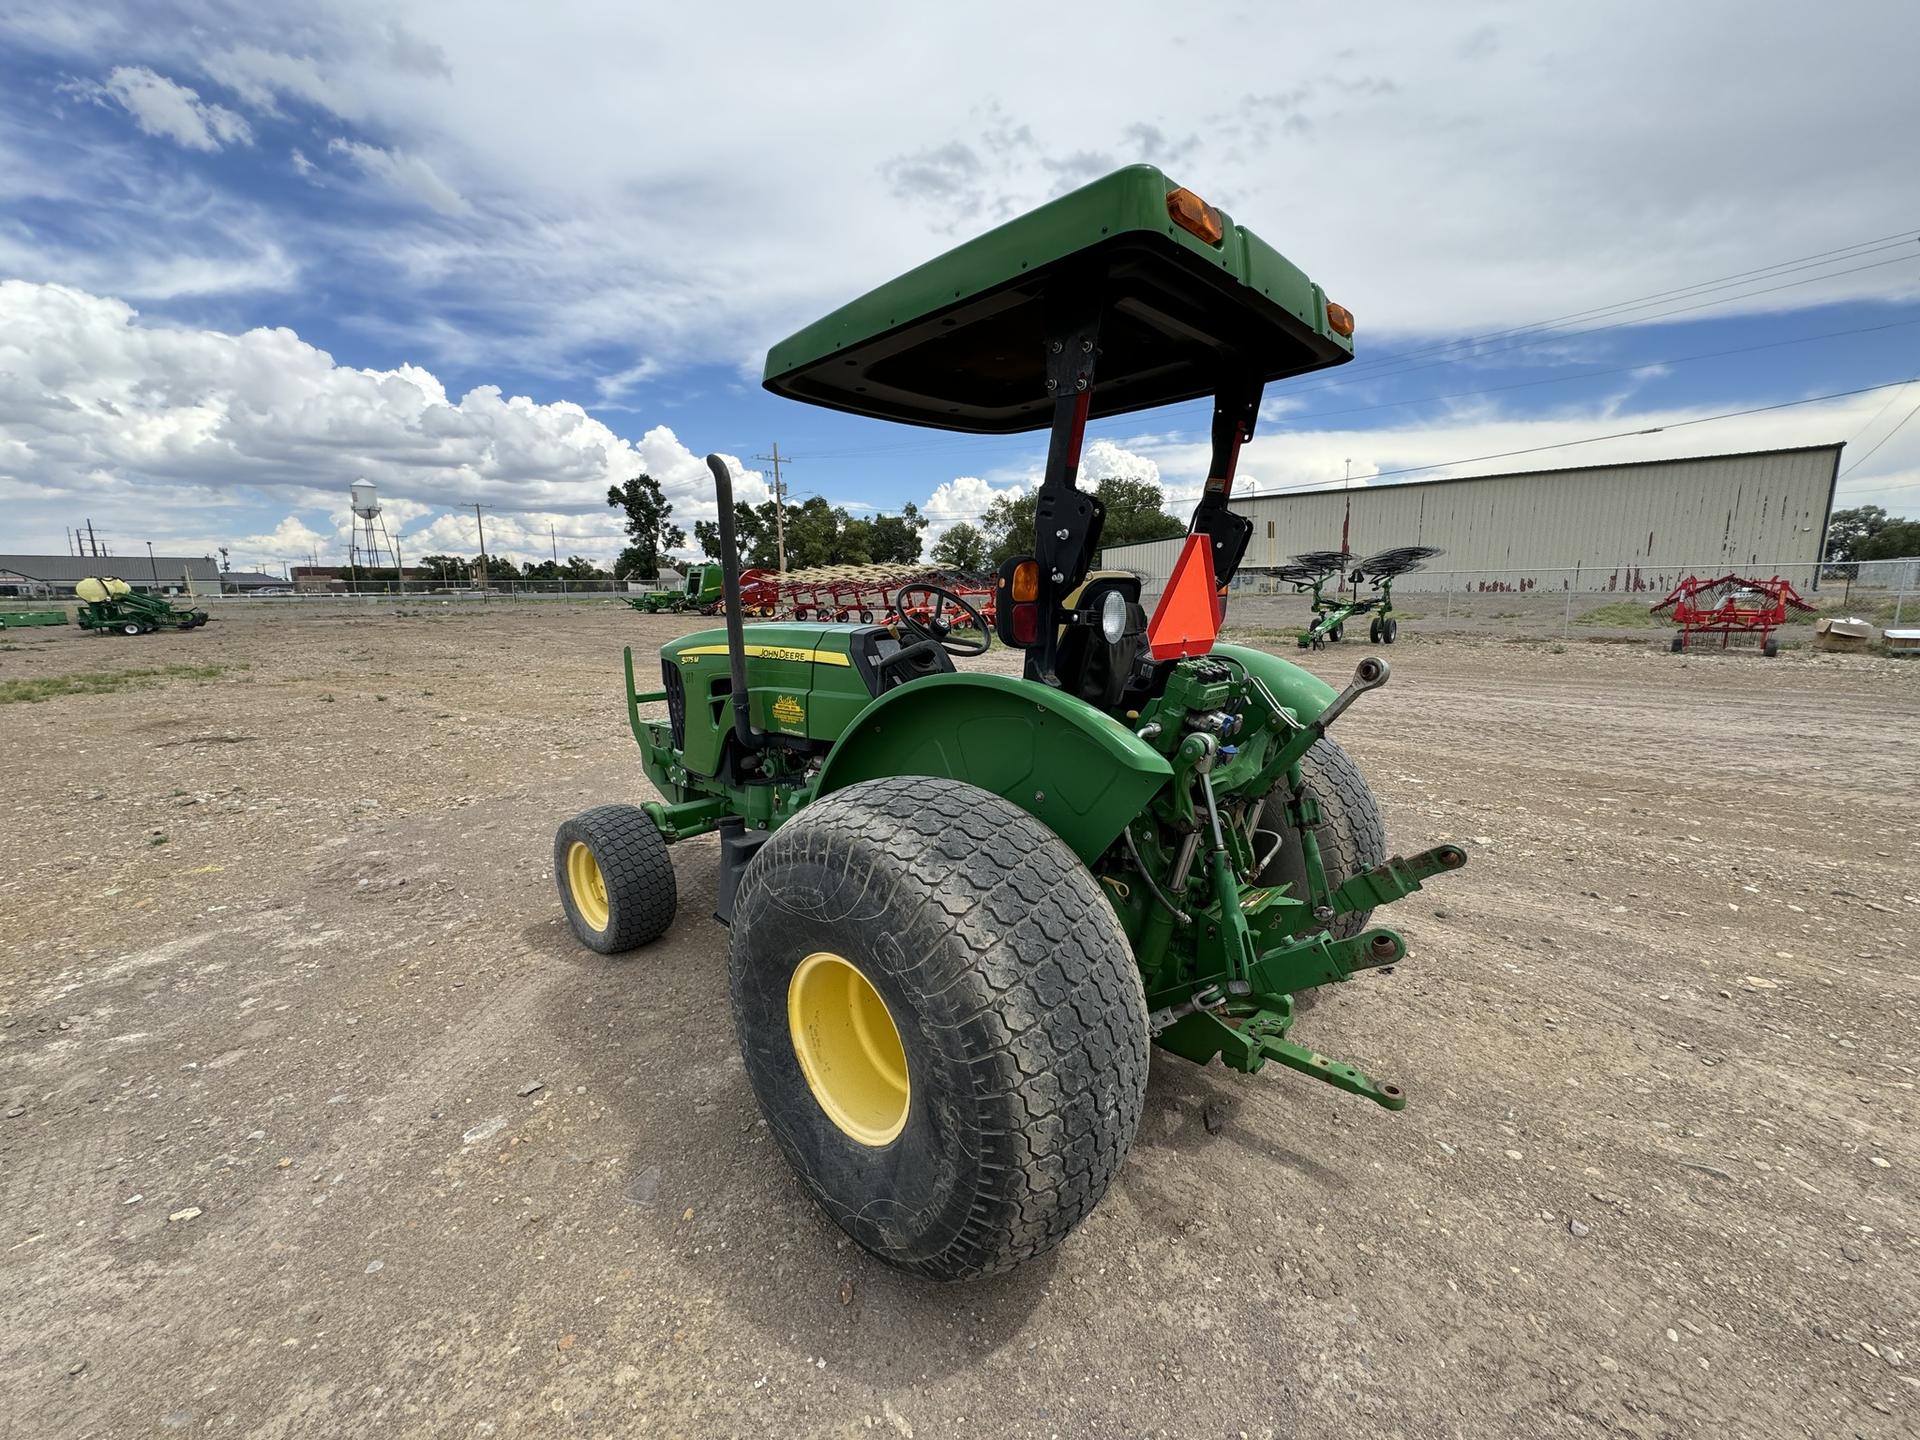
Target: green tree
[[649, 526], [632, 565], [578, 567], [896, 538], [444, 569], [1133, 514], [1008, 523], [962, 548], [1894, 540], [1848, 530]]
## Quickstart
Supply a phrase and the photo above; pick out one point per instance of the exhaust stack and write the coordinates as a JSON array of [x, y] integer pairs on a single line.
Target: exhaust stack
[[743, 730]]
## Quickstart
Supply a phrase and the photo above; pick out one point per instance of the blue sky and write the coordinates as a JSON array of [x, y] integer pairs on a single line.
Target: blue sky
[[495, 253]]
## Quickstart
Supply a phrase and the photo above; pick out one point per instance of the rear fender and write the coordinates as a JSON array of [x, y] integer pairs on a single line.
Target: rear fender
[[1303, 694], [1078, 771]]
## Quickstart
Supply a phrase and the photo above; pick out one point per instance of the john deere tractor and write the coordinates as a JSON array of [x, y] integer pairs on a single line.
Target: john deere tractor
[[962, 905]]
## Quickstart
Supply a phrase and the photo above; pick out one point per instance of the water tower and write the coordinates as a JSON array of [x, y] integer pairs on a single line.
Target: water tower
[[370, 546]]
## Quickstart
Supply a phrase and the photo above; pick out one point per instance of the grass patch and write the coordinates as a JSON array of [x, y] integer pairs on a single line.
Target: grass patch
[[1628, 614], [99, 682]]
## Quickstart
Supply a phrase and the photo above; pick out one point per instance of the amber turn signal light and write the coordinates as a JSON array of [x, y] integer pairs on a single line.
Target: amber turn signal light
[[1026, 581], [1339, 319], [1195, 216]]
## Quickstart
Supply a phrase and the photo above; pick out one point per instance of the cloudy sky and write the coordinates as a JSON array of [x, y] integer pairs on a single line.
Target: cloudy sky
[[509, 254]]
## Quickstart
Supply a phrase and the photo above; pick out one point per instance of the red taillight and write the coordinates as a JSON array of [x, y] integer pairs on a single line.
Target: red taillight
[[1026, 624]]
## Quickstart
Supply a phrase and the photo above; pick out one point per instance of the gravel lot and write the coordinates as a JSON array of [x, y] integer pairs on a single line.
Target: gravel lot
[[281, 966]]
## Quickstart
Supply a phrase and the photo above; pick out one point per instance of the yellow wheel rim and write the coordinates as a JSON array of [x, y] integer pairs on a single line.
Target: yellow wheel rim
[[589, 887], [849, 1048]]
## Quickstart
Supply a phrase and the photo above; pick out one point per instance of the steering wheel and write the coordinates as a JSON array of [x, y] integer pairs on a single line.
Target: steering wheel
[[936, 628]]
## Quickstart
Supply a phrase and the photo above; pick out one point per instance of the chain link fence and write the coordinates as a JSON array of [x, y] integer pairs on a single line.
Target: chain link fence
[[1604, 603]]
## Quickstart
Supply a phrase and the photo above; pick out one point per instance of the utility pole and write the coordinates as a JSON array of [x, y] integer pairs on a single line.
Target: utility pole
[[779, 505], [153, 566], [553, 542], [480, 525]]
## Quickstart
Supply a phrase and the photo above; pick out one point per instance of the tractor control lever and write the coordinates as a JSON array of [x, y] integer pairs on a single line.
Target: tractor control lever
[[1370, 674]]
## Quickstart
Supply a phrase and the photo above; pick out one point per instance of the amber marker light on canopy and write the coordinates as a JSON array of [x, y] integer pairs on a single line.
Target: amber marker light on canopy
[[1026, 581], [1339, 319], [1195, 216]]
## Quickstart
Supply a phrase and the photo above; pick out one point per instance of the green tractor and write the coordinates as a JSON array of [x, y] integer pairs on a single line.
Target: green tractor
[[963, 905], [109, 603], [701, 592]]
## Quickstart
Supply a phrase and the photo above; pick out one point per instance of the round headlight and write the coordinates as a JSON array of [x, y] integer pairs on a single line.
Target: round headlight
[[1113, 617]]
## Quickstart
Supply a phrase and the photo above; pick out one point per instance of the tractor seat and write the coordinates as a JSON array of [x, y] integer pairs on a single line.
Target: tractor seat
[[873, 644]]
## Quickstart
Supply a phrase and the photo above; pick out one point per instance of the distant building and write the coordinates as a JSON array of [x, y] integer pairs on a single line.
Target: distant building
[[241, 582], [56, 575], [1636, 527], [338, 579]]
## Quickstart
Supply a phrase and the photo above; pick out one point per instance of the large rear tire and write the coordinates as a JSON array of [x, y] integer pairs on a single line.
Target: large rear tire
[[615, 878], [941, 1020]]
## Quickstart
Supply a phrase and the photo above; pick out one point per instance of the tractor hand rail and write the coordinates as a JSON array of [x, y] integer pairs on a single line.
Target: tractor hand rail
[[743, 729]]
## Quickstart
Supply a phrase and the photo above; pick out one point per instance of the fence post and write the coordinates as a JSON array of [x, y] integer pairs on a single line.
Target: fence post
[[1900, 600], [1566, 624]]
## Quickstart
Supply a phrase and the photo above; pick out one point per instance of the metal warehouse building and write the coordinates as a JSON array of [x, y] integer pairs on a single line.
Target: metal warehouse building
[[1631, 527]]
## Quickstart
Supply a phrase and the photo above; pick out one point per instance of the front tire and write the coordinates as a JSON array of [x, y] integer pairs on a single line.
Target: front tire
[[941, 1020], [615, 878]]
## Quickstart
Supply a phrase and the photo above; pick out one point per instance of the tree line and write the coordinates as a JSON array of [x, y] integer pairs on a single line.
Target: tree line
[[818, 534]]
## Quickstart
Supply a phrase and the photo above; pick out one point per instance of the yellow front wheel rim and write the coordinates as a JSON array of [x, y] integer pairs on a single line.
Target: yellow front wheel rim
[[589, 887], [849, 1048]]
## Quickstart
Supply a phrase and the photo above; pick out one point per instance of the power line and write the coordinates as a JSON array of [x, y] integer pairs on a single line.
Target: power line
[[1615, 435], [779, 503], [1784, 267], [1556, 334], [1394, 366], [1612, 370], [1883, 439]]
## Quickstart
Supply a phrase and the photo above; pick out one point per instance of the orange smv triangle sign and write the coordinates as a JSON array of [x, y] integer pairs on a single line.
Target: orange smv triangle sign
[[1187, 619]]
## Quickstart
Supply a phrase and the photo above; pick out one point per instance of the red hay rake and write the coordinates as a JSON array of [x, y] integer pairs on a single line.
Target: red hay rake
[[860, 593], [1728, 606]]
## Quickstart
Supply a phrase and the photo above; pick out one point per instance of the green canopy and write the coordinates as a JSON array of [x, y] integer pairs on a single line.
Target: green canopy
[[959, 343]]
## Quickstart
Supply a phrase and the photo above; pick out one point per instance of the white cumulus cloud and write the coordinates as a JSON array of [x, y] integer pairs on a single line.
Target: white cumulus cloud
[[102, 413]]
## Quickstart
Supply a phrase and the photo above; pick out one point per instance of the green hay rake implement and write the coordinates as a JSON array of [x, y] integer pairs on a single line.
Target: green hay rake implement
[[963, 905], [1310, 572]]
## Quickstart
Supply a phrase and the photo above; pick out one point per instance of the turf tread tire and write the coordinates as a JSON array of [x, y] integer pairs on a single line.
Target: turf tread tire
[[642, 893], [1016, 996]]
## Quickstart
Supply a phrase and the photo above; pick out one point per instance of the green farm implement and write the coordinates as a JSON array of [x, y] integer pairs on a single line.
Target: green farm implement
[[701, 592], [963, 905], [20, 619], [108, 603], [1310, 573]]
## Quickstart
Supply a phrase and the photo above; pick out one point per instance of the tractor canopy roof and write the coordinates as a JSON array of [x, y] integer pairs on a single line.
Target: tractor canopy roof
[[1185, 295]]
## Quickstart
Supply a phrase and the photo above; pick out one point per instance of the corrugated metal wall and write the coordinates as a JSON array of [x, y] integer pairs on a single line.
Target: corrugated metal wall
[[1613, 527]]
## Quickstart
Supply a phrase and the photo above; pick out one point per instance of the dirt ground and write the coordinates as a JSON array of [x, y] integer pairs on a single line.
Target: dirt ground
[[281, 963]]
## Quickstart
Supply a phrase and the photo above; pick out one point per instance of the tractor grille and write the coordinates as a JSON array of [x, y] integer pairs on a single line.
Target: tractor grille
[[676, 702]]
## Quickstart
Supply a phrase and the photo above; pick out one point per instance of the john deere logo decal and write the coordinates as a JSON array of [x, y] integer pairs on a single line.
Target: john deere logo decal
[[789, 711]]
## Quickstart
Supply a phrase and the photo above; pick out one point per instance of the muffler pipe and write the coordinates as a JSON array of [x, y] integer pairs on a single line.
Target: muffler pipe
[[1370, 674], [730, 597]]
